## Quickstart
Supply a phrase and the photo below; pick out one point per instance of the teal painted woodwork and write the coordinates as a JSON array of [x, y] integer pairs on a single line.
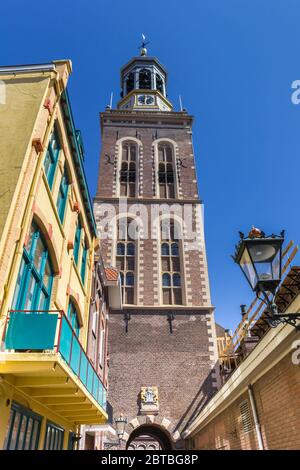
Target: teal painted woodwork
[[62, 196], [31, 331], [83, 263], [35, 279], [37, 332], [24, 429], [51, 157], [77, 241]]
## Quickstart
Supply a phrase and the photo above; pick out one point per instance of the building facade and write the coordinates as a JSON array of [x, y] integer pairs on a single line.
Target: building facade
[[106, 294], [258, 406], [48, 384], [162, 345]]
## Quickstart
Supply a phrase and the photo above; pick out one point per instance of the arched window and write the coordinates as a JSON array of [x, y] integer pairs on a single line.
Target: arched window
[[128, 170], [145, 79], [125, 259], [165, 172], [73, 318], [129, 83], [34, 283], [159, 83], [170, 264]]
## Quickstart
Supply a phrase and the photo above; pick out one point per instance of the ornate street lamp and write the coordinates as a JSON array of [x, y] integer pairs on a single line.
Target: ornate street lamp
[[120, 423], [260, 259], [120, 426]]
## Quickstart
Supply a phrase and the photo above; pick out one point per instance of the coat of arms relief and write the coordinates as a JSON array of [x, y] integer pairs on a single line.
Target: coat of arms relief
[[149, 400]]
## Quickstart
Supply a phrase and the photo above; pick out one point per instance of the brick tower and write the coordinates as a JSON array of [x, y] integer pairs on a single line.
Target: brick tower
[[162, 345]]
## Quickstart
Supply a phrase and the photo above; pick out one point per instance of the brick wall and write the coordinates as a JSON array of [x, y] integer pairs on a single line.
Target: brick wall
[[277, 396], [181, 364]]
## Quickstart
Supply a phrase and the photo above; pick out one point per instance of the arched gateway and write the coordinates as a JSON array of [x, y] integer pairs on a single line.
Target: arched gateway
[[149, 437]]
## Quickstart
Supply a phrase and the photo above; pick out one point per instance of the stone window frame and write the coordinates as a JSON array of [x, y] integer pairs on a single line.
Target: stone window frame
[[174, 147], [119, 155], [180, 243], [127, 241]]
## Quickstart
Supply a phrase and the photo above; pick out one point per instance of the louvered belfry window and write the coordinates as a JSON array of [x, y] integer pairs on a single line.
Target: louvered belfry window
[[128, 170], [165, 172]]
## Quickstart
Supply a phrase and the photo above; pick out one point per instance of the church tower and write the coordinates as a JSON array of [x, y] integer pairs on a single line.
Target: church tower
[[162, 345]]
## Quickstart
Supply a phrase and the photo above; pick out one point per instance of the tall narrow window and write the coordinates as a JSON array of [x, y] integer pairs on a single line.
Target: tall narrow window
[[165, 172], [62, 196], [170, 264], [83, 262], [128, 170], [54, 437], [77, 241], [73, 318], [125, 261], [129, 82], [23, 431], [145, 79], [34, 283], [51, 157], [159, 83]]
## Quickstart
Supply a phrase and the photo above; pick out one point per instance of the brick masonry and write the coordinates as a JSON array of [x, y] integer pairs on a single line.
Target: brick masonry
[[277, 396], [181, 364]]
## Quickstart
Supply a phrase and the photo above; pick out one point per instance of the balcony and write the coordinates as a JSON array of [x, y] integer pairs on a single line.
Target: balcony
[[43, 358]]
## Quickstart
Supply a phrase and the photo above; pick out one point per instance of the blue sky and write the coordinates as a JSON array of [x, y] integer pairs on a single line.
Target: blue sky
[[232, 61]]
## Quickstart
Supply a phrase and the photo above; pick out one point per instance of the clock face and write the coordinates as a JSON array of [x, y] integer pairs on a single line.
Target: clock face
[[145, 99]]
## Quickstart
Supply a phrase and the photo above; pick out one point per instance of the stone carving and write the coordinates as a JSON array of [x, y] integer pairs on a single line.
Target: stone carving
[[149, 400]]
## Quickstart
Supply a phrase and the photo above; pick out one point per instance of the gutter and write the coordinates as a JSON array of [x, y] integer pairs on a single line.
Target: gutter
[[255, 416]]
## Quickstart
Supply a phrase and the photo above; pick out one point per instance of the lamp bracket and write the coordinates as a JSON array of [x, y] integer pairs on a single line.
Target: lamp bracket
[[275, 318]]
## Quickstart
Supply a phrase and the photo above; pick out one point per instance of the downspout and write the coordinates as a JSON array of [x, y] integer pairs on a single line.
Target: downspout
[[255, 416]]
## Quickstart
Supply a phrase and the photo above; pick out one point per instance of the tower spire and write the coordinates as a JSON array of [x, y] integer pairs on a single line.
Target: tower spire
[[142, 47]]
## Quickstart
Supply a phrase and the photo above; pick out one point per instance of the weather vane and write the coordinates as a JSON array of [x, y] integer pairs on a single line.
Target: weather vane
[[142, 47]]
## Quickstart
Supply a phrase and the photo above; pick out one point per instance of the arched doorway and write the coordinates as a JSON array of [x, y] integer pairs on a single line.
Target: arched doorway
[[149, 437]]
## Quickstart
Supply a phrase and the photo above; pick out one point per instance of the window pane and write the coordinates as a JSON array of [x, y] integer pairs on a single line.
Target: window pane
[[16, 423], [167, 299], [120, 249], [29, 296], [22, 433], [18, 293], [38, 254], [47, 275], [176, 280], [129, 295], [166, 279], [175, 264], [129, 279], [165, 264], [162, 191], [130, 249], [43, 301], [35, 436], [131, 192], [120, 264], [177, 296], [165, 249], [171, 192], [130, 264], [175, 250], [168, 154], [132, 153]]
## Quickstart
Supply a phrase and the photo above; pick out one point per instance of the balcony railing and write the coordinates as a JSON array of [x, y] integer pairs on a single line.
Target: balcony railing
[[45, 331]]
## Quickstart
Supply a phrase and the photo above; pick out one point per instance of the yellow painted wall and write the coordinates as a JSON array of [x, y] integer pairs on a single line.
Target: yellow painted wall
[[25, 195], [17, 119]]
